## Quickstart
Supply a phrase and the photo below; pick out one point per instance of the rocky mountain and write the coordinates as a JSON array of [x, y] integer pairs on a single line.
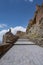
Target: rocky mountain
[[35, 26]]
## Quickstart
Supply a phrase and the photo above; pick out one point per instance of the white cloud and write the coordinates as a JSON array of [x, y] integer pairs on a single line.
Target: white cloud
[[3, 25], [30, 0], [2, 33], [18, 28], [14, 30]]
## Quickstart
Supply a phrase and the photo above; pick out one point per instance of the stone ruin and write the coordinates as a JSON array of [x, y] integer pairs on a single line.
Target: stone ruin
[[8, 37], [20, 34]]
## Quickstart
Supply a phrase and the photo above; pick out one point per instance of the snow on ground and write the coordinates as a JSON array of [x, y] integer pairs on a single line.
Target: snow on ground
[[23, 55]]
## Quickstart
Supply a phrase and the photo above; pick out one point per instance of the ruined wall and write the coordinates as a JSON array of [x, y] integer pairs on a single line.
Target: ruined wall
[[9, 38]]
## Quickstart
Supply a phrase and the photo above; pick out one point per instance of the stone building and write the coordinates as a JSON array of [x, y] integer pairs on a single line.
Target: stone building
[[35, 25], [8, 37]]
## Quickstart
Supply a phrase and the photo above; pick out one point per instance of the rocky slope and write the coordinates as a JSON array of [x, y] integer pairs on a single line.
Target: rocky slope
[[35, 26]]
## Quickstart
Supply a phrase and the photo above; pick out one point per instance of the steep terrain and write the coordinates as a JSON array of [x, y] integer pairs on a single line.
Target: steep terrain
[[35, 26]]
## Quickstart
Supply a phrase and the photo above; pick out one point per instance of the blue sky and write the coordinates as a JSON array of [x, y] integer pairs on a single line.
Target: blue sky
[[17, 12]]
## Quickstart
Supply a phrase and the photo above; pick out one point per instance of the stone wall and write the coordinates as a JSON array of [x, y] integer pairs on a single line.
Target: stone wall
[[4, 48]]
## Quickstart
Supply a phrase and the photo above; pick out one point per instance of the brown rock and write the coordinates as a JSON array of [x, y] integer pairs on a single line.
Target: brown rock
[[9, 37], [35, 25], [20, 34]]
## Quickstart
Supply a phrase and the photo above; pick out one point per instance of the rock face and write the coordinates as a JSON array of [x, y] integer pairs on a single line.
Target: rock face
[[35, 26], [8, 37], [20, 34]]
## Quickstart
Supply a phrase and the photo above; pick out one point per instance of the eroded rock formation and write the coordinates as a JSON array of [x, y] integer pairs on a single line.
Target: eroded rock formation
[[35, 26], [9, 37]]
